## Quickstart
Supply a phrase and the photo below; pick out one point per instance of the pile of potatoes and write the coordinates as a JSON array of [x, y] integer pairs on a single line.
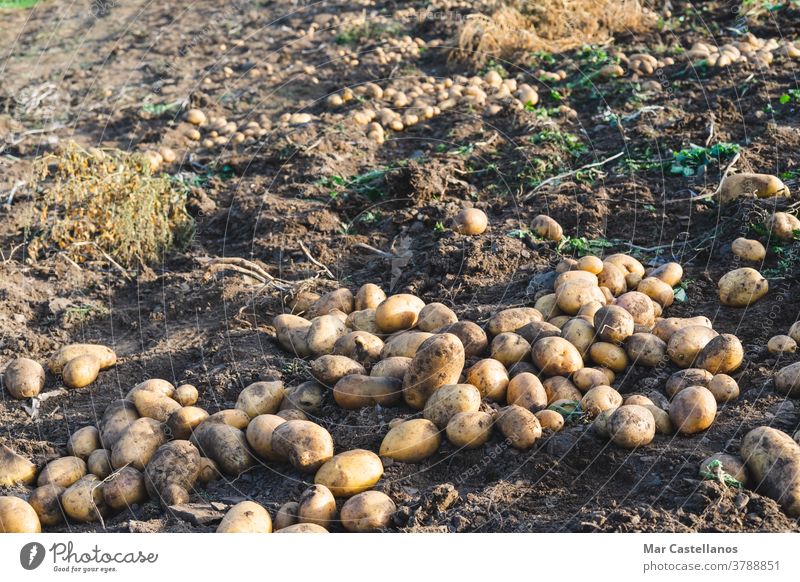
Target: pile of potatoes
[[211, 132], [749, 49]]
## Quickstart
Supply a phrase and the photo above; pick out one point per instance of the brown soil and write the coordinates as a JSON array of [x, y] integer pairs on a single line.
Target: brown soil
[[68, 74]]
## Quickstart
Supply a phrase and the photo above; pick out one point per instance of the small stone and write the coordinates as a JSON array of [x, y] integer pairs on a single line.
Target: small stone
[[196, 513]]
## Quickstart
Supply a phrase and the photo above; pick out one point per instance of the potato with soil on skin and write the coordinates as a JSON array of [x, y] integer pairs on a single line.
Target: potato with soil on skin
[[404, 344], [723, 354], [472, 337], [15, 469], [286, 515], [363, 320], [341, 299], [367, 512], [508, 348], [794, 331], [538, 329], [124, 488], [591, 264], [80, 372], [154, 386], [350, 472], [83, 501], [547, 305], [639, 305], [645, 349], [787, 380], [232, 417], [693, 410], [359, 391], [171, 474], [438, 361], [631, 426], [469, 430], [246, 517], [291, 331], [580, 333], [63, 471], [490, 377], [663, 421], [633, 269], [587, 378], [526, 390], [550, 420], [519, 425], [450, 400], [394, 367], [435, 315], [259, 436], [609, 355], [512, 319], [17, 516], [306, 445], [301, 528], [773, 460], [685, 378], [783, 225], [547, 228], [613, 324], [555, 356], [369, 296], [24, 378], [261, 398], [323, 333], [781, 344], [742, 287], [411, 441], [748, 250], [224, 444], [83, 442], [761, 185], [138, 444], [307, 397], [183, 421], [329, 369], [105, 356], [46, 502], [657, 290], [398, 312], [601, 421], [99, 463], [639, 399], [153, 405], [117, 418], [186, 395], [360, 346], [686, 344], [730, 464], [665, 328], [612, 278], [317, 506], [600, 398], [470, 221], [669, 273], [570, 297]]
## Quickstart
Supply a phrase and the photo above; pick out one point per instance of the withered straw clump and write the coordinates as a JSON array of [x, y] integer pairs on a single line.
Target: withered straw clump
[[106, 201], [551, 25]]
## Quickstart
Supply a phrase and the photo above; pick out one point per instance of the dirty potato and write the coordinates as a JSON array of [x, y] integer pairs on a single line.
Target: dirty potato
[[439, 361]]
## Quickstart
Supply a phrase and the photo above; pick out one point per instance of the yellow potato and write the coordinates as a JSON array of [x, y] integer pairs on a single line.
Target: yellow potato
[[231, 417], [46, 502], [186, 395], [438, 361], [81, 371], [685, 378], [686, 344], [612, 277], [781, 344], [153, 405], [560, 388], [119, 415], [411, 441], [526, 390], [104, 355], [723, 354], [794, 331], [393, 367], [470, 221], [547, 228], [519, 426], [367, 512], [600, 398], [570, 297], [759, 185], [124, 488], [398, 312], [609, 356], [773, 459], [742, 287], [138, 444], [512, 319], [580, 333], [261, 398], [657, 290], [259, 436], [317, 506], [360, 346], [183, 421], [469, 430], [693, 410], [62, 472], [99, 463], [17, 516], [601, 421], [359, 391], [404, 344], [291, 331], [613, 324], [631, 426], [15, 469], [305, 444], [287, 515], [640, 306], [340, 299], [331, 368], [555, 356], [787, 380], [547, 305], [323, 333], [663, 421], [490, 377], [363, 320], [748, 250], [508, 348], [550, 420], [303, 528], [590, 263], [664, 328], [633, 269], [645, 349], [84, 442], [450, 400], [24, 378], [537, 330], [369, 296], [83, 501], [246, 517], [575, 277], [155, 386], [783, 225], [472, 337], [669, 273], [350, 472], [587, 378]]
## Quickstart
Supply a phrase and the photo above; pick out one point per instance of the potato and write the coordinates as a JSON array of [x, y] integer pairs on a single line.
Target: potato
[[580, 333], [438, 361], [663, 421], [547, 305], [287, 515], [538, 329], [587, 378], [291, 331], [783, 225], [591, 264], [15, 469], [196, 117], [154, 386], [80, 372], [394, 367], [550, 420], [153, 405], [781, 344], [83, 442], [363, 320], [186, 395], [742, 287], [794, 331], [259, 436], [99, 463], [411, 441], [302, 301], [609, 356], [508, 348], [261, 398], [450, 400], [560, 388], [63, 472], [669, 273], [323, 333], [633, 269], [613, 324], [246, 517], [686, 344], [17, 516], [526, 390], [24, 378], [124, 488], [748, 250], [330, 368], [367, 512], [469, 430], [787, 380], [105, 356], [525, 366], [360, 346], [405, 344], [398, 312], [600, 398], [519, 425], [317, 506], [303, 528], [490, 377], [510, 320], [589, 309], [631, 426], [612, 278], [471, 221], [645, 349], [350, 472], [232, 417], [46, 502], [601, 422], [761, 185], [773, 460], [292, 414], [693, 410], [685, 378], [570, 297], [369, 296], [359, 391], [83, 501], [547, 228], [224, 444], [472, 337], [639, 399], [555, 356], [733, 466], [723, 354], [307, 397], [340, 299], [657, 290], [639, 305], [183, 421], [665, 328], [306, 445], [435, 315], [138, 443]]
